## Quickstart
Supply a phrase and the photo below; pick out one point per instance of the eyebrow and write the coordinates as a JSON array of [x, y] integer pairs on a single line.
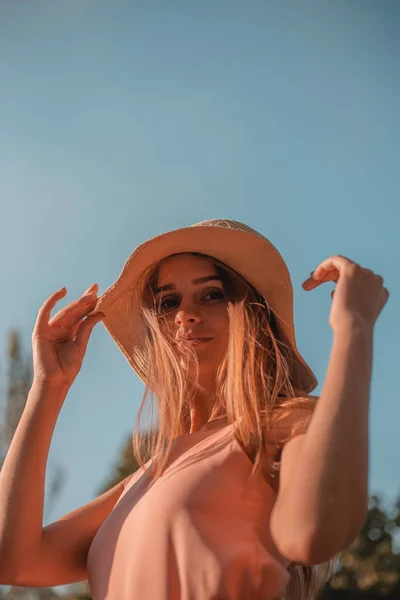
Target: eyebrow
[[172, 286]]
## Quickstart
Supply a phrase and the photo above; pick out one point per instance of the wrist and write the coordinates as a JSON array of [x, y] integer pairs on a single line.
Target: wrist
[[353, 326], [46, 384]]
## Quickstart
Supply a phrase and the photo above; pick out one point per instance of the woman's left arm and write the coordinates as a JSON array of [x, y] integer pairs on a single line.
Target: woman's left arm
[[323, 500]]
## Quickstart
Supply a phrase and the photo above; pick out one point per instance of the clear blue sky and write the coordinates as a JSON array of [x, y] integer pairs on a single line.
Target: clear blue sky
[[120, 120]]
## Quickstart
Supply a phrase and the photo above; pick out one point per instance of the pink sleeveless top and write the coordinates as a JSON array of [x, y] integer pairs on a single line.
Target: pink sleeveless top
[[200, 532]]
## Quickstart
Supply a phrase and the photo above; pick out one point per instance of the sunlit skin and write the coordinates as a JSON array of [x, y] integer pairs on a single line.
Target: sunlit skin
[[198, 309]]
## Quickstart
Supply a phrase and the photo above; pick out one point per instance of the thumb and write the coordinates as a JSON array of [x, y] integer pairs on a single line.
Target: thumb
[[85, 329]]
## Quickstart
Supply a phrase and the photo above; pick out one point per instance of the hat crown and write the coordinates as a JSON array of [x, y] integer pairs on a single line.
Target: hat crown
[[227, 224]]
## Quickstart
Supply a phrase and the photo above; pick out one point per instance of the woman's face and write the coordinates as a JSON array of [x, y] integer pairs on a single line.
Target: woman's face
[[190, 294]]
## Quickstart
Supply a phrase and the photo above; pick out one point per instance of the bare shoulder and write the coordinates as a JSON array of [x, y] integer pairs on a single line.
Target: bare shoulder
[[292, 419], [288, 422]]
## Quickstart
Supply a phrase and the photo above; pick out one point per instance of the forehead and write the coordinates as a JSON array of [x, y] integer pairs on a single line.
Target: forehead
[[185, 265]]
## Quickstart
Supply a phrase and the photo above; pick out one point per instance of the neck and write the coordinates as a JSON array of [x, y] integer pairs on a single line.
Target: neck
[[203, 404]]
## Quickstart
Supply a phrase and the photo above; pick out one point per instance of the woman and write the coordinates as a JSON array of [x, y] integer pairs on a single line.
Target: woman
[[228, 505]]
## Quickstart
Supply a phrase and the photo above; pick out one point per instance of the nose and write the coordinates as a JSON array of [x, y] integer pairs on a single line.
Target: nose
[[187, 316]]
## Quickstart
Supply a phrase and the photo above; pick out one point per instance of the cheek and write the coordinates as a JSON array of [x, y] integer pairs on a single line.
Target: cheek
[[221, 323]]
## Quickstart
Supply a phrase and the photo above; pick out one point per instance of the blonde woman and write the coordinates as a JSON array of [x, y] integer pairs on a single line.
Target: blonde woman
[[253, 486]]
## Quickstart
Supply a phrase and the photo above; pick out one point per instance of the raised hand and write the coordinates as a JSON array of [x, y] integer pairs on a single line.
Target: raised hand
[[359, 296], [59, 343]]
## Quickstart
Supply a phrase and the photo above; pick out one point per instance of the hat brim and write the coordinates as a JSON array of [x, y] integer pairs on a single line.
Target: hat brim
[[252, 256]]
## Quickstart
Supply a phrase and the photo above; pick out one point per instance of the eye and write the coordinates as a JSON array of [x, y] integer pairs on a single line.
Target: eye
[[219, 294], [163, 306], [169, 303]]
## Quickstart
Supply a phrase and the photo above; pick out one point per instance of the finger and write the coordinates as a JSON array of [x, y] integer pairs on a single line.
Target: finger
[[74, 330], [65, 333], [84, 331], [311, 283], [337, 262], [42, 320], [328, 270], [93, 288], [68, 316]]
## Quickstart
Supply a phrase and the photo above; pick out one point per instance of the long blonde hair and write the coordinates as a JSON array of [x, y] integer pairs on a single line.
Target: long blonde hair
[[253, 386]]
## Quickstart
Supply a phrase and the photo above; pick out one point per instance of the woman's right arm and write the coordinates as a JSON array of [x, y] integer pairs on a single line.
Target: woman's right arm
[[30, 555], [22, 478], [59, 346]]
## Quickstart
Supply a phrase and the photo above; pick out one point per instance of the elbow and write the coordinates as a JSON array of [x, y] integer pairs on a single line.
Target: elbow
[[7, 576], [321, 552], [294, 547], [336, 536], [318, 553], [311, 553], [295, 552], [323, 546], [10, 570], [315, 549]]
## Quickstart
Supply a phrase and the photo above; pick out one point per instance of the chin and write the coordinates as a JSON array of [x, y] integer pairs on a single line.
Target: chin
[[206, 365]]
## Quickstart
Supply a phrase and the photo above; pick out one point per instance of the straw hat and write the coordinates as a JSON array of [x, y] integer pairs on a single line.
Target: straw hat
[[233, 243]]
